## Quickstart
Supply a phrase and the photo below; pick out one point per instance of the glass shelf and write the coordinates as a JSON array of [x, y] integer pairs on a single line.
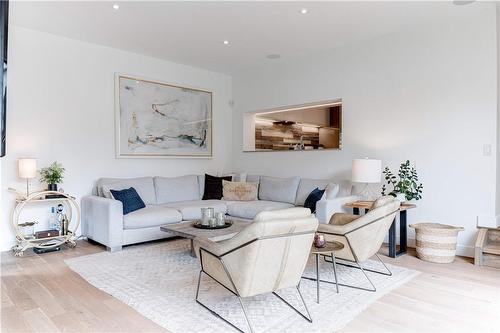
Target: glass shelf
[[43, 200]]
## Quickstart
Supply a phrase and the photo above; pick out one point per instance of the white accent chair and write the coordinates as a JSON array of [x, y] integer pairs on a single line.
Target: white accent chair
[[362, 236], [267, 256]]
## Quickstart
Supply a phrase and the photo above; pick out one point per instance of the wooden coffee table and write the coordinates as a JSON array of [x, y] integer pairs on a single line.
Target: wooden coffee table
[[186, 230]]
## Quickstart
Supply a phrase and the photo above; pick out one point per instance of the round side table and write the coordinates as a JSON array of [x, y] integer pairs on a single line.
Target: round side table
[[327, 250]]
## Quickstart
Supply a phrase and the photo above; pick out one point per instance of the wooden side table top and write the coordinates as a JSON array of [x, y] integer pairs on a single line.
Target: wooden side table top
[[368, 205], [328, 248]]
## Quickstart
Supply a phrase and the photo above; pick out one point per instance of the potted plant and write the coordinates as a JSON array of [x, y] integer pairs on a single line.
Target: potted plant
[[406, 186], [52, 175]]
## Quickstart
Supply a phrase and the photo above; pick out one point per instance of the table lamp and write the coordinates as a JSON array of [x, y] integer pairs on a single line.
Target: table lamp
[[367, 171], [26, 168]]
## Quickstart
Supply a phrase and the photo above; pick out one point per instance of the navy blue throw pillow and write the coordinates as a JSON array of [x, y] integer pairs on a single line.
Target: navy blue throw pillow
[[213, 187], [313, 198], [130, 199]]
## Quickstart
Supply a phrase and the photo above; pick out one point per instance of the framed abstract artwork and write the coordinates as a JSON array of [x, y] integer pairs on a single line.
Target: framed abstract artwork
[[155, 119]]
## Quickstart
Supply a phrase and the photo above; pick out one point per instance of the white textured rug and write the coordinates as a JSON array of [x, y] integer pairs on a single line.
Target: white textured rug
[[159, 281]]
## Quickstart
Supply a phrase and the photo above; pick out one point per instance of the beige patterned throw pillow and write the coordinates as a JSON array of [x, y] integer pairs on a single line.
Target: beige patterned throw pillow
[[239, 191]]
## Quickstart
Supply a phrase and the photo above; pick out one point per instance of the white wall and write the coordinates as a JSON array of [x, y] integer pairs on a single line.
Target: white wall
[[427, 95], [61, 107]]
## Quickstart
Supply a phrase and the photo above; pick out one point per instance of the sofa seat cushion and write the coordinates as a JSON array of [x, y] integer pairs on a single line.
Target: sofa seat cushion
[[249, 209], [151, 216], [191, 210]]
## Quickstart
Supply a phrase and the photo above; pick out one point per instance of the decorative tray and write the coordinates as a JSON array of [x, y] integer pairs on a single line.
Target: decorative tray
[[197, 224]]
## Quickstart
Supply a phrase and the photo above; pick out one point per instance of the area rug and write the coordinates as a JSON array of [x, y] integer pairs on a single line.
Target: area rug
[[159, 281]]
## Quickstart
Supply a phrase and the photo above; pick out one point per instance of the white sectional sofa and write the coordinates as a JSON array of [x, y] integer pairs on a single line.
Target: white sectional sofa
[[176, 199]]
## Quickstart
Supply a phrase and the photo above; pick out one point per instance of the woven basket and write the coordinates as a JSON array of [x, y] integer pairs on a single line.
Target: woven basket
[[436, 242]]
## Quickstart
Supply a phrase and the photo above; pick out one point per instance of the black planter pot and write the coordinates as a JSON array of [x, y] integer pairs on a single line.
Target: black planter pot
[[52, 187]]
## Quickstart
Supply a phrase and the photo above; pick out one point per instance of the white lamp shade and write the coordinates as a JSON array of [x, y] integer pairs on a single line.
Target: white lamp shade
[[26, 168], [365, 170]]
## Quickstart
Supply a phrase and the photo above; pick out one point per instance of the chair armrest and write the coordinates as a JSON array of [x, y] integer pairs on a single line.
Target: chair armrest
[[102, 220], [343, 218], [217, 248], [207, 244], [355, 224], [333, 229], [326, 208]]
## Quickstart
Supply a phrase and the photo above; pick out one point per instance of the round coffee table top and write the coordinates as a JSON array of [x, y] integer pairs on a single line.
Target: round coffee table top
[[329, 247]]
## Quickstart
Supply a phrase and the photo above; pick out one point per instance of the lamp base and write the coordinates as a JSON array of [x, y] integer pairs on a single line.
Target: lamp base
[[369, 193]]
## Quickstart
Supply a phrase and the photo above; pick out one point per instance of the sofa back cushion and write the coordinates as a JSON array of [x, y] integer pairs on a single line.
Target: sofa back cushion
[[278, 189], [346, 188], [252, 179], [175, 189], [201, 184], [143, 185]]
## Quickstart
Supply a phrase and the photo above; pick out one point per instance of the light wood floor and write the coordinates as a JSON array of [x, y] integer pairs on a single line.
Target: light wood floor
[[40, 293]]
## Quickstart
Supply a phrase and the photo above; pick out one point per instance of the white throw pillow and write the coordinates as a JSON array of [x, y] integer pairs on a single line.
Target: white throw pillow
[[331, 191], [237, 177]]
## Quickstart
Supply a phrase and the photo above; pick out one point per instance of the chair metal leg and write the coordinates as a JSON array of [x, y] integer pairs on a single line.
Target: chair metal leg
[[305, 305], [388, 270], [198, 287], [361, 267], [245, 313], [389, 273], [215, 313], [308, 318], [335, 272], [358, 266], [317, 278]]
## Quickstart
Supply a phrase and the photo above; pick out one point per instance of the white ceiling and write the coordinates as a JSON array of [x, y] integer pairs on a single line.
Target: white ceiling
[[193, 32]]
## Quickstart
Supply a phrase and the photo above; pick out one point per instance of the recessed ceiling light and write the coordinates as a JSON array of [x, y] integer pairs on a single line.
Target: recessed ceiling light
[[273, 56], [116, 6], [226, 42], [303, 11]]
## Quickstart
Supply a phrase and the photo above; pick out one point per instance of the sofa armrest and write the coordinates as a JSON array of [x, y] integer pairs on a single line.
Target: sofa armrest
[[326, 208], [102, 220]]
